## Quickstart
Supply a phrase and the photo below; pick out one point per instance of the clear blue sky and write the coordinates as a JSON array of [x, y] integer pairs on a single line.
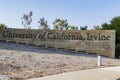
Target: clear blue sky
[[77, 12]]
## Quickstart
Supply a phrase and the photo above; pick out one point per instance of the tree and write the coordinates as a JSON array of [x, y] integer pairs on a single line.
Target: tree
[[73, 28], [60, 24], [26, 20], [114, 25], [83, 27], [97, 27], [43, 24], [105, 26], [3, 26]]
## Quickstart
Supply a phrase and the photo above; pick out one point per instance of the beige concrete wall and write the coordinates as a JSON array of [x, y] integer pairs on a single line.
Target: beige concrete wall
[[91, 41]]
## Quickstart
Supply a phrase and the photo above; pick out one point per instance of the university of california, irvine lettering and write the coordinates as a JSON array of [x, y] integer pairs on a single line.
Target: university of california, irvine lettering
[[55, 36]]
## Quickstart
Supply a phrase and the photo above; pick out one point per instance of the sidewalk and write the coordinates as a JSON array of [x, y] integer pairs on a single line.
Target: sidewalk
[[111, 73]]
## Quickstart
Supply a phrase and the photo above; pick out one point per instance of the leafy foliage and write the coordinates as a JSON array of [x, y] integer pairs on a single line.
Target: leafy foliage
[[60, 24], [83, 27], [97, 27], [26, 20], [3, 26], [73, 28], [43, 24]]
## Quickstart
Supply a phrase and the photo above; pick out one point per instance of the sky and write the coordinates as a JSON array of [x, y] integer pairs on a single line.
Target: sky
[[77, 12]]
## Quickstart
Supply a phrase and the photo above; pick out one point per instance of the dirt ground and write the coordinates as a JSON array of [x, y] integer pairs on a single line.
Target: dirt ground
[[21, 62]]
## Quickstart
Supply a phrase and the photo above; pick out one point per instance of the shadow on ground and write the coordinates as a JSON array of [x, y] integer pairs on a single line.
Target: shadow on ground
[[37, 49]]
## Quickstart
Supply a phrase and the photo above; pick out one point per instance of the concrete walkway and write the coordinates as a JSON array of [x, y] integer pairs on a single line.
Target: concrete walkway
[[111, 73]]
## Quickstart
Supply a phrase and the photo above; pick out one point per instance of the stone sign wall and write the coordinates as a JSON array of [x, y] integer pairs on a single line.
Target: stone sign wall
[[101, 42]]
